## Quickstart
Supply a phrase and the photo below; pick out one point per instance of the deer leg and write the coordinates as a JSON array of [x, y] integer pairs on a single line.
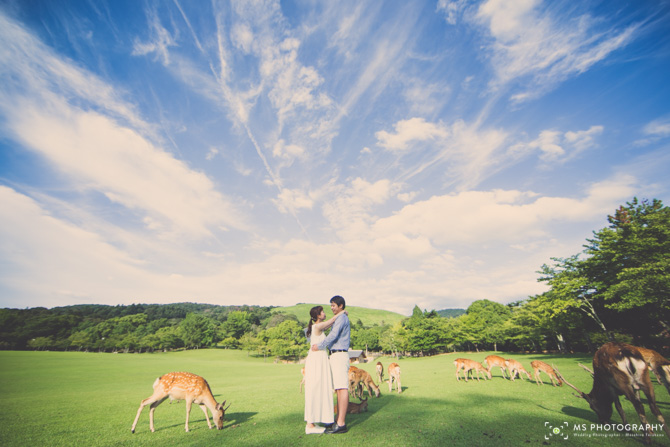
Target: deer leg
[[651, 398], [152, 408], [204, 409], [188, 411], [144, 403], [661, 377], [619, 409]]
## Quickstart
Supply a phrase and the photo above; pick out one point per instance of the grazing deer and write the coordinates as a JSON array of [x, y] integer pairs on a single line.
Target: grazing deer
[[515, 368], [380, 372], [659, 364], [302, 382], [496, 360], [354, 408], [468, 366], [394, 374], [538, 367], [183, 386], [620, 369], [352, 378], [362, 379]]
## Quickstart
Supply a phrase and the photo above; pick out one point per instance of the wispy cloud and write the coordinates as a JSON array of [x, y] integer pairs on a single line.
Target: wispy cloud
[[107, 150], [531, 43], [559, 147]]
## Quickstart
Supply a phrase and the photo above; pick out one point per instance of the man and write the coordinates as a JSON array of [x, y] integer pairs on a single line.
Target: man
[[338, 344]]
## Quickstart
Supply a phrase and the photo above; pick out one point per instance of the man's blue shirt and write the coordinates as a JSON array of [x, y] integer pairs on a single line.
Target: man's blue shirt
[[339, 336]]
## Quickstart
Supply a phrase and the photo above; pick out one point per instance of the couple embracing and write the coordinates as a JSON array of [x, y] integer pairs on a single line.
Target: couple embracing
[[323, 375]]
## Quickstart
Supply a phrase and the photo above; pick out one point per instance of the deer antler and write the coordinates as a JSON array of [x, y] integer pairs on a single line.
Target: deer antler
[[560, 376], [224, 403], [586, 368]]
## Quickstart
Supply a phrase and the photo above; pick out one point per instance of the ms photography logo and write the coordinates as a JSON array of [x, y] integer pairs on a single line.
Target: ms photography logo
[[556, 431], [563, 430]]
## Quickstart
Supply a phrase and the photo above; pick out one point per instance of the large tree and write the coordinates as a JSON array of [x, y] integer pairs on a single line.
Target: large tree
[[629, 264]]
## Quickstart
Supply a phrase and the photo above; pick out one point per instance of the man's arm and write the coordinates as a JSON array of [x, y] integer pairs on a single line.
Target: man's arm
[[334, 334]]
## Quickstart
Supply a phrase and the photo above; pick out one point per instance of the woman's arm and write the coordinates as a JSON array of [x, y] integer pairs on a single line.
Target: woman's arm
[[328, 323]]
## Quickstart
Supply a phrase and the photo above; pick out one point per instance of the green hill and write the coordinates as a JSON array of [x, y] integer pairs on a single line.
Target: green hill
[[369, 317]]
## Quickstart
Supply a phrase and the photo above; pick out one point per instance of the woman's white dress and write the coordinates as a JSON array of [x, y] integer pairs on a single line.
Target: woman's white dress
[[318, 385]]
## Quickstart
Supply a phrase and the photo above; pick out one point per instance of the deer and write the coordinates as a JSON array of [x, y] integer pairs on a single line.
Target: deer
[[496, 360], [620, 369], [515, 368], [380, 372], [352, 379], [362, 379], [302, 382], [538, 367], [394, 373], [468, 366], [183, 386], [658, 364], [354, 408]]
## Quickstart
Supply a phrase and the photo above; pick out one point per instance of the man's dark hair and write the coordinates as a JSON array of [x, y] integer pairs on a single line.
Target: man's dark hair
[[337, 299]]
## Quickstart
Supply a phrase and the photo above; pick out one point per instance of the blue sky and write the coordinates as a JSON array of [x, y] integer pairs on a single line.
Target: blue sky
[[396, 153]]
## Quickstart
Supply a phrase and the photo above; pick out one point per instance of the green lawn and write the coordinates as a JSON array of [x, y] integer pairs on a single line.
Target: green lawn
[[367, 316], [90, 399]]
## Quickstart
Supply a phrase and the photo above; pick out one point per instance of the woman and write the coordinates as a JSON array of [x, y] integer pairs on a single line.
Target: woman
[[318, 378]]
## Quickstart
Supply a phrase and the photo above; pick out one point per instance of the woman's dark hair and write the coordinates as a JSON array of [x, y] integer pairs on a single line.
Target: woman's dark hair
[[339, 301], [314, 314]]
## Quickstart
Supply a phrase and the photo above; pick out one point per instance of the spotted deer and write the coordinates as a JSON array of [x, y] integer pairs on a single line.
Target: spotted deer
[[620, 369], [658, 364], [394, 374], [496, 360], [354, 408], [468, 366], [538, 367], [380, 372], [516, 368], [183, 386], [362, 379]]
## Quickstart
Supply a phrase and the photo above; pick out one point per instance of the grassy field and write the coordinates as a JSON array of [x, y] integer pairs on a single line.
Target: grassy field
[[367, 316], [90, 399]]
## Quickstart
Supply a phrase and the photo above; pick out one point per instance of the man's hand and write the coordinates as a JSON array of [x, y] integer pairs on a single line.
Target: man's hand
[[315, 348]]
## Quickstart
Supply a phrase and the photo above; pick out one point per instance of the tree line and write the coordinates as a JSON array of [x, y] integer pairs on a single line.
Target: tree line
[[617, 288]]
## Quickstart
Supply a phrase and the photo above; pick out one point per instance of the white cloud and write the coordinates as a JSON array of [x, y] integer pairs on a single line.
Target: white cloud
[[658, 128], [408, 131], [465, 153], [291, 200], [559, 147], [213, 152], [96, 153], [507, 217], [531, 42], [160, 41], [452, 9]]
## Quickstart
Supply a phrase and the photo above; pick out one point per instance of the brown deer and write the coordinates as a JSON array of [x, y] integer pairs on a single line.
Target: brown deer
[[183, 386], [302, 382], [394, 374], [496, 360], [354, 408], [620, 369], [658, 364], [538, 367], [515, 368], [362, 379], [468, 366], [380, 372], [352, 378]]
